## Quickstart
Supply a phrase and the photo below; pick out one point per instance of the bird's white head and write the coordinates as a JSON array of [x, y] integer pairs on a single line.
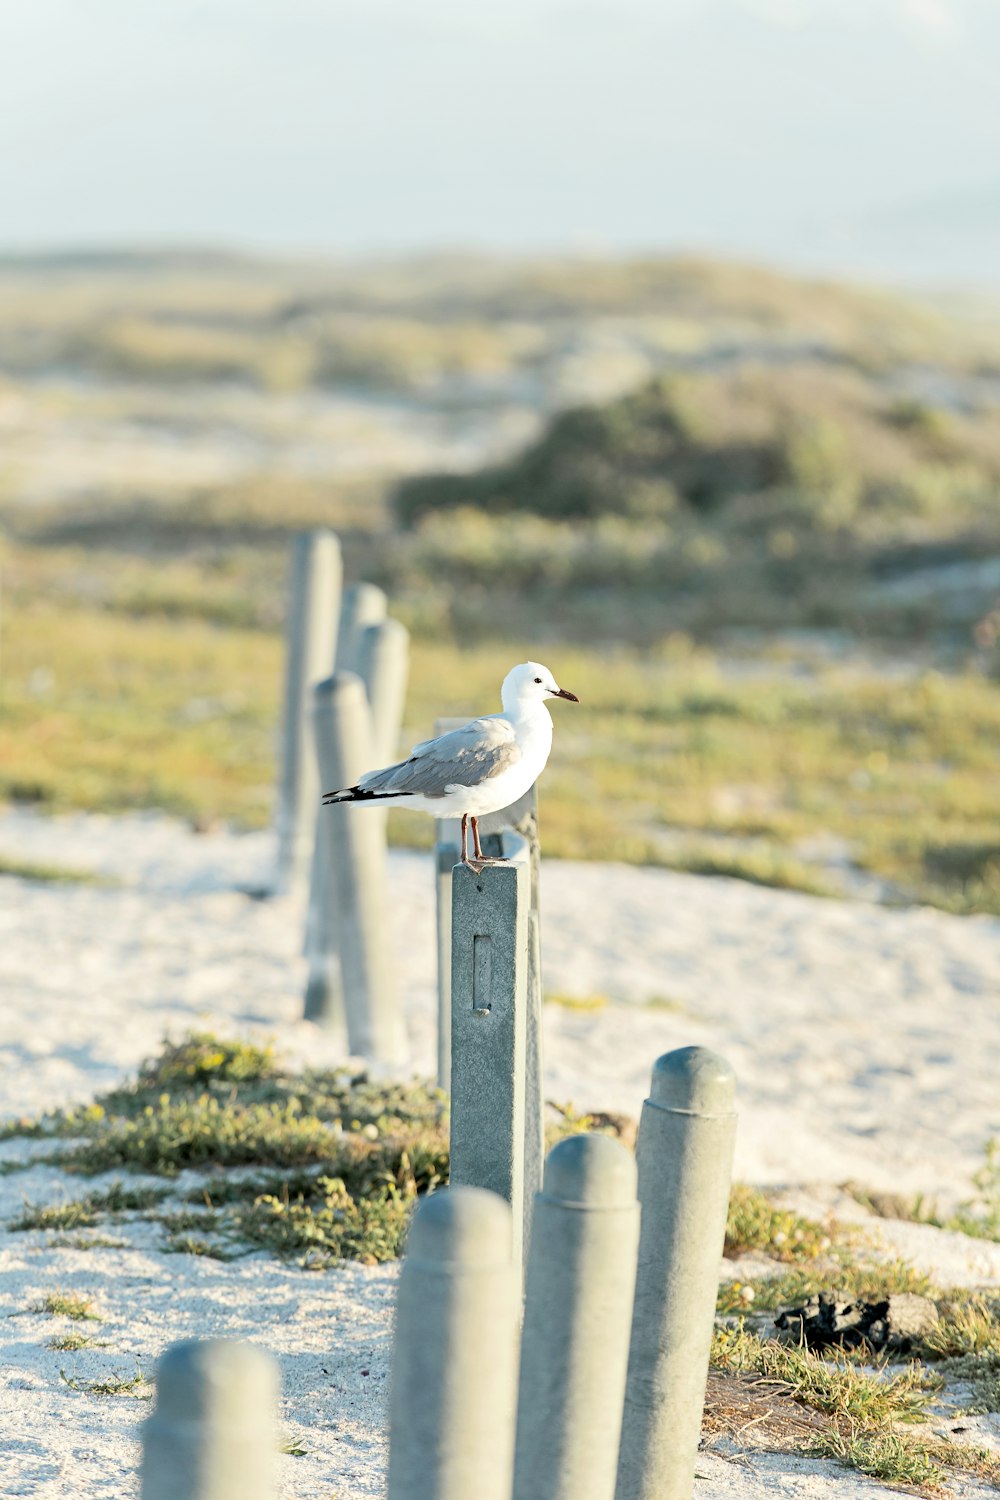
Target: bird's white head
[[528, 684]]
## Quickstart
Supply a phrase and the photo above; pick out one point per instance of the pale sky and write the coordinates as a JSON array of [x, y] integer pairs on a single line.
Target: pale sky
[[850, 132]]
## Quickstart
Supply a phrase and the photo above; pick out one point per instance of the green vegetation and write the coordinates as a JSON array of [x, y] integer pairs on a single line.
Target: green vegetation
[[70, 1343], [677, 756], [842, 1271], [576, 1002], [26, 869], [794, 482], [884, 1454], [81, 1212], [755, 1224], [172, 320], [265, 1184], [837, 1387], [864, 1410], [979, 1217], [338, 1161], [815, 448], [137, 1387], [68, 1305]]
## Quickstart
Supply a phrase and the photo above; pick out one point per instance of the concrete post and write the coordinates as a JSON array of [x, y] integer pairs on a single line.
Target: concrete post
[[324, 997], [451, 1408], [383, 661], [489, 933], [311, 636], [445, 860], [213, 1433], [522, 817], [447, 846], [364, 604], [578, 1314], [355, 914], [684, 1155]]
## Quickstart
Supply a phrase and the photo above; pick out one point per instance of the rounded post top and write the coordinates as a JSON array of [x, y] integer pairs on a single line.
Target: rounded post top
[[342, 687], [387, 632], [197, 1375], [366, 602], [319, 545], [466, 1227], [694, 1079], [594, 1171]]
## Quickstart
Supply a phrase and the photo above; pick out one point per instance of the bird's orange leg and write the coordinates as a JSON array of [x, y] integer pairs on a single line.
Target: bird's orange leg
[[475, 838], [465, 827]]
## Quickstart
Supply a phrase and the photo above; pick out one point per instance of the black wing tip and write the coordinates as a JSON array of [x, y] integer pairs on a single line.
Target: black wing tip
[[359, 794]]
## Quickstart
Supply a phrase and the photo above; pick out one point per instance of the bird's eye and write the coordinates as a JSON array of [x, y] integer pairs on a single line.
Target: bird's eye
[[538, 680]]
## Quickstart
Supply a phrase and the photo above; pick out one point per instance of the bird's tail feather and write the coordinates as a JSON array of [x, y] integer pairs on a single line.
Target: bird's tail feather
[[359, 794]]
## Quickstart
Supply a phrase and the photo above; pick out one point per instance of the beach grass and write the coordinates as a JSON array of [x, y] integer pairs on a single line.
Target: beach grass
[[336, 1175], [678, 755], [68, 1305]]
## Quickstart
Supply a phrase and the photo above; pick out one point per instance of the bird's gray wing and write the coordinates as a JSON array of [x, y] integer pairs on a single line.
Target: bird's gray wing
[[468, 756]]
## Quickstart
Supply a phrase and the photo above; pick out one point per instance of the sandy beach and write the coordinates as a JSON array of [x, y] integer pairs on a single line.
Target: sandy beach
[[864, 1041]]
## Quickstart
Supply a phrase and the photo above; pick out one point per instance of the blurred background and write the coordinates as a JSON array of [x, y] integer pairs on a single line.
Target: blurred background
[[658, 340]]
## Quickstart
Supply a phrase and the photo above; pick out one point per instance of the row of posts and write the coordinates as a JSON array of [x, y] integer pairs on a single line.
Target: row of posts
[[602, 1401], [588, 1376], [345, 690]]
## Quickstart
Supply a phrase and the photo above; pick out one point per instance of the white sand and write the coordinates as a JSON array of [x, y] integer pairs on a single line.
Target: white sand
[[865, 1042]]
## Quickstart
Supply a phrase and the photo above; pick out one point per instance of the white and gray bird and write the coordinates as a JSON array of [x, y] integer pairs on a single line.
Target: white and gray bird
[[477, 769]]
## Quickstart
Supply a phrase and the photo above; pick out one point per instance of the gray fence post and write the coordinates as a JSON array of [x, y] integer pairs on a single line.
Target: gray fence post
[[382, 656], [578, 1314], [451, 1411], [522, 816], [489, 930], [324, 997], [213, 1432], [364, 604], [448, 834], [354, 915], [383, 661], [313, 606], [445, 859], [684, 1154]]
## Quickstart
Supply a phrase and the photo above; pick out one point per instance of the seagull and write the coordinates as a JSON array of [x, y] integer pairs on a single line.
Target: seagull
[[477, 769]]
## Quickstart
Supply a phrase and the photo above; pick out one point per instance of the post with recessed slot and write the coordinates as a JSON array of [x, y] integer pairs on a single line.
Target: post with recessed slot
[[311, 641], [489, 945]]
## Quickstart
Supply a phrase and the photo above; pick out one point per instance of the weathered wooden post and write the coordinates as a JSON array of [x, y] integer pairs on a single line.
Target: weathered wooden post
[[578, 1315], [364, 604], [383, 660], [489, 942], [311, 635], [684, 1155], [354, 913], [451, 1412], [213, 1432]]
